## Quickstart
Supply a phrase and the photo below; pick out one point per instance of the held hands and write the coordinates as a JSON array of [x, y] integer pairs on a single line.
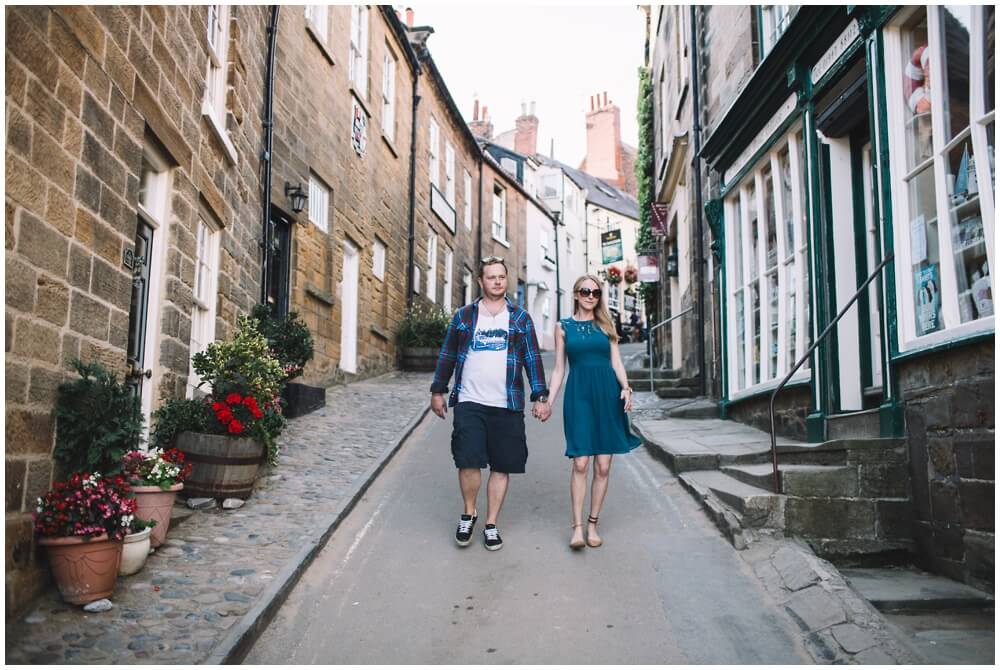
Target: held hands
[[541, 411], [438, 404], [626, 395]]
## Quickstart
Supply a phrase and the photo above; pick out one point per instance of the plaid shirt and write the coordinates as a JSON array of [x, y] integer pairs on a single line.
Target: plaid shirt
[[522, 351]]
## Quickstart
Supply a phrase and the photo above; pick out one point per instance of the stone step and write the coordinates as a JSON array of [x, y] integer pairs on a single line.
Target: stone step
[[807, 481], [863, 424], [728, 520], [757, 508], [676, 392], [701, 408], [658, 384], [894, 589], [639, 374], [792, 454]]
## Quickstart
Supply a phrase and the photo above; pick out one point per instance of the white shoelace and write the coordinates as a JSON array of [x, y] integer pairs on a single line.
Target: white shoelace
[[464, 526], [492, 533]]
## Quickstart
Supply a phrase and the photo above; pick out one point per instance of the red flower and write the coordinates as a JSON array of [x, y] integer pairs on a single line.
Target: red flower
[[235, 427], [225, 416], [256, 412], [216, 406], [234, 398]]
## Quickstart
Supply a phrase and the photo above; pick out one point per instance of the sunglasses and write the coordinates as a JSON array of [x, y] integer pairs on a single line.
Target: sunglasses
[[491, 259], [587, 292]]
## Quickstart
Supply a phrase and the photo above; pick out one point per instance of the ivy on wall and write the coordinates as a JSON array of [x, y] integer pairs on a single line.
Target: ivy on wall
[[644, 180]]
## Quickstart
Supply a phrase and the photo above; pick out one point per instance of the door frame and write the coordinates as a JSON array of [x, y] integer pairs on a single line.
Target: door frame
[[349, 305]]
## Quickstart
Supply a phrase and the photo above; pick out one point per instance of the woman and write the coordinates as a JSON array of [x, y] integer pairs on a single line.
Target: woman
[[597, 397]]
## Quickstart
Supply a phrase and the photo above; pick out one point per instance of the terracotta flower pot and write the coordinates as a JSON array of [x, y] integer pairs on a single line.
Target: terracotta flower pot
[[154, 503], [85, 570], [135, 549]]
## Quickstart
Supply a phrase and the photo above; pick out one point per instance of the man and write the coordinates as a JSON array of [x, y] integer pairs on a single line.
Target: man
[[487, 345]]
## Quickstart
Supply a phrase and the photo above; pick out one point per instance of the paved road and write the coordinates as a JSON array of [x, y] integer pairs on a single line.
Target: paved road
[[392, 587]]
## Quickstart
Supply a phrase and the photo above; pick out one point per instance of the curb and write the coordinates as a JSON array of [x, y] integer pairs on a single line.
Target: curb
[[237, 642]]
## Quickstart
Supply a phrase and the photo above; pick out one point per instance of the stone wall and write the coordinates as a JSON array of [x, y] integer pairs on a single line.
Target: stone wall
[[517, 219], [950, 407], [90, 91], [791, 407]]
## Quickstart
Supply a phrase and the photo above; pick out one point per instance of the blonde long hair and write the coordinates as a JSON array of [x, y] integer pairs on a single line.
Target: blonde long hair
[[601, 316]]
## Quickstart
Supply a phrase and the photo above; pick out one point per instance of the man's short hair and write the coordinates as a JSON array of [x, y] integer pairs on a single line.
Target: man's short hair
[[492, 260]]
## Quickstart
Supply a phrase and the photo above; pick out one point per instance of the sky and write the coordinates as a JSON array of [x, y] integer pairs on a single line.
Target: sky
[[557, 56]]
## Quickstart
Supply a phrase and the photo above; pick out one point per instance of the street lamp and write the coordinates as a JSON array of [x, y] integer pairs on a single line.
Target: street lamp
[[297, 195]]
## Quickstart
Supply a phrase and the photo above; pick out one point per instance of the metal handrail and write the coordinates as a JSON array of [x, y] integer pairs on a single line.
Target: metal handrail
[[805, 357], [649, 341]]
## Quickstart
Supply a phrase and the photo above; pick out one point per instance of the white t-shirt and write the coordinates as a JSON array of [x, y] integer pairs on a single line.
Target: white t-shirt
[[484, 375]]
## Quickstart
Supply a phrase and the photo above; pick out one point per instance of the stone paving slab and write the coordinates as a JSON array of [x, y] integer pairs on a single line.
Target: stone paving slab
[[205, 593], [907, 588]]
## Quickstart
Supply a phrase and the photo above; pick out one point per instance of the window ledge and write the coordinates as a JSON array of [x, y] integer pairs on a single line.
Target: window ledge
[[801, 377], [549, 263], [392, 147], [680, 100], [221, 134], [314, 33], [361, 100], [320, 295], [957, 340], [505, 243], [379, 332]]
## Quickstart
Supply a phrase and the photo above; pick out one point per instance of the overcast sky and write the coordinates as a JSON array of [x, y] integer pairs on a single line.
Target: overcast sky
[[556, 56]]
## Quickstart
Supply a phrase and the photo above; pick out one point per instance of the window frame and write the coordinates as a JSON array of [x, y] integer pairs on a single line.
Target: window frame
[[214, 107], [468, 199], [499, 228], [357, 50], [449, 267], [432, 247], [319, 203], [204, 293], [449, 173], [379, 251], [318, 21], [389, 94], [433, 151]]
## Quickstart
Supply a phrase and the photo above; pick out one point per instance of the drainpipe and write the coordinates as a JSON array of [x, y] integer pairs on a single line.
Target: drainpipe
[[698, 213], [411, 231], [479, 231], [272, 33]]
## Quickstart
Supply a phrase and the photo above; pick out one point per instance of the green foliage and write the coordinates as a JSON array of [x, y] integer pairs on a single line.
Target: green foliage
[[242, 365], [139, 525], [268, 428], [645, 182], [98, 419], [288, 338], [176, 416], [423, 326]]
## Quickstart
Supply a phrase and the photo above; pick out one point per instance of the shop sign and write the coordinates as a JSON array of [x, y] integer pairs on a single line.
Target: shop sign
[[659, 218], [649, 269], [359, 129], [611, 246]]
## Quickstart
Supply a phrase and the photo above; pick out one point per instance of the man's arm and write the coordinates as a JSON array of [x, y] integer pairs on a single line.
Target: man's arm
[[447, 357], [533, 361]]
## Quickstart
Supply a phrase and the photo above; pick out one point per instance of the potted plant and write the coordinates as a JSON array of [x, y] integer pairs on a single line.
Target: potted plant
[[235, 428], [614, 275], [420, 336], [136, 547], [631, 275], [81, 522], [289, 341], [155, 477]]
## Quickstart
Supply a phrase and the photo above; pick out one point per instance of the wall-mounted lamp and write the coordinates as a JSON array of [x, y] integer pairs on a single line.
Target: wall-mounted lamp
[[672, 264], [297, 195]]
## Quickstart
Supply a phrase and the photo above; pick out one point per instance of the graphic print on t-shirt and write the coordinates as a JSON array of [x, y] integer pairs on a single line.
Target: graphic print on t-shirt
[[494, 339]]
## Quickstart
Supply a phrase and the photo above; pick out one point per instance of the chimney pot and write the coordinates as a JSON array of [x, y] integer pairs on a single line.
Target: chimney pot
[[524, 109], [532, 107], [605, 98], [486, 113], [475, 110], [409, 16]]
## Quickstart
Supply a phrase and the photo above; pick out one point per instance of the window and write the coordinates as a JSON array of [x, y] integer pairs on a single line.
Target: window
[[449, 259], [941, 141], [449, 173], [389, 95], [774, 20], [206, 272], [378, 259], [546, 314], [317, 17], [213, 107], [432, 249], [358, 60], [551, 185], [767, 266], [433, 148], [468, 200], [466, 286], [499, 214], [319, 203]]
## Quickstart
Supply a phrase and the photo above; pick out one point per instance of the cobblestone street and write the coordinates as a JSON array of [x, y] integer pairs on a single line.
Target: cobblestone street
[[203, 591]]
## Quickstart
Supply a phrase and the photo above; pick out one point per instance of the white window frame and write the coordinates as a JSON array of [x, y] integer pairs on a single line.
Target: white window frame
[[449, 266], [358, 50], [979, 119], [466, 286], [740, 210], [389, 95], [499, 217], [213, 106], [468, 200], [775, 20], [204, 296], [449, 173], [378, 259], [319, 203], [543, 242], [318, 20], [432, 247], [433, 149]]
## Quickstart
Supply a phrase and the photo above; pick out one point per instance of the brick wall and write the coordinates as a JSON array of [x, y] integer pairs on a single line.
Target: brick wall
[[86, 88], [950, 408], [513, 252]]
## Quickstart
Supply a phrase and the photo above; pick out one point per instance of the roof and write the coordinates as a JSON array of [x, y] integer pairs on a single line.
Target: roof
[[599, 192]]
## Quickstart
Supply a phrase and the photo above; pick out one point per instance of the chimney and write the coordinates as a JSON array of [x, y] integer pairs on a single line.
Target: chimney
[[409, 17], [604, 143], [526, 131], [475, 110], [480, 125]]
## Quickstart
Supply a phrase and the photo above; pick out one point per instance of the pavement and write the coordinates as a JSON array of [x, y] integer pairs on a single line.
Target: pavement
[[206, 594]]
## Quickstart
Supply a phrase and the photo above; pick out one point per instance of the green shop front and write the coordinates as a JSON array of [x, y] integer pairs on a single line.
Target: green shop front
[[867, 133]]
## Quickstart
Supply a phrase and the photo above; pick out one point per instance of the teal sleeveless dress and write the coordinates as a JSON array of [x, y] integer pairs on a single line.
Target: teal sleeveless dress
[[594, 416]]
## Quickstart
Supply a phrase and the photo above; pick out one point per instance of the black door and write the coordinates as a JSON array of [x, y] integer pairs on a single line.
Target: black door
[[278, 259]]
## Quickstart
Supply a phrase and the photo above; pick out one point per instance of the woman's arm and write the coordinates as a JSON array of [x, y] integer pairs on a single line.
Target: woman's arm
[[622, 376], [560, 370]]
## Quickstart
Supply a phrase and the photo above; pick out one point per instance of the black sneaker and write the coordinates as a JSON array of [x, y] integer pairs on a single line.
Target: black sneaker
[[463, 535], [492, 537]]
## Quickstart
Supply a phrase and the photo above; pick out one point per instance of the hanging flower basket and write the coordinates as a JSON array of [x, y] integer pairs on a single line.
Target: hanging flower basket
[[614, 275]]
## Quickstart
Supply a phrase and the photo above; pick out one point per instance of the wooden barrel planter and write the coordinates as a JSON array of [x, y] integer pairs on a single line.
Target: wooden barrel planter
[[223, 466]]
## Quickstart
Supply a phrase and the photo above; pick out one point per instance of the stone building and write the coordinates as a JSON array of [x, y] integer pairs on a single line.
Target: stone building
[[132, 205], [832, 140]]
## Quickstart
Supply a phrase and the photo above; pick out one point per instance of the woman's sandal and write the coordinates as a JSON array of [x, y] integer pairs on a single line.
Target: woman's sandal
[[576, 545], [599, 542]]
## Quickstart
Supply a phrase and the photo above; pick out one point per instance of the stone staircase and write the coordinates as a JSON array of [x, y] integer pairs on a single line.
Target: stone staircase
[[666, 383], [846, 497]]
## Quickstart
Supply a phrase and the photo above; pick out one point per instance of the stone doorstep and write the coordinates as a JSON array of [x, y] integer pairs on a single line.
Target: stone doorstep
[[799, 480], [863, 424], [756, 508], [894, 589]]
